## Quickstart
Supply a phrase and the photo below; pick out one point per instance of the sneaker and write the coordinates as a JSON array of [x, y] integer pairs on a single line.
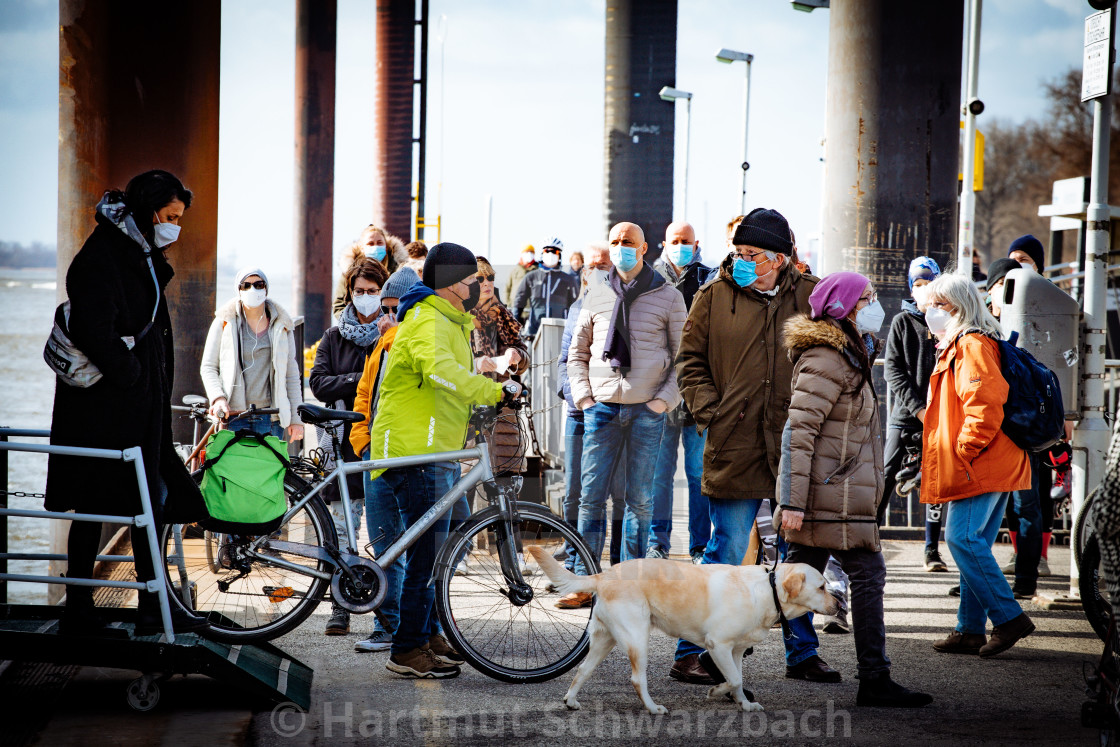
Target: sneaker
[[655, 552], [561, 554], [339, 622], [526, 571], [1007, 635], [575, 600], [443, 650], [698, 557], [378, 640], [955, 591], [934, 563], [1009, 567], [837, 624], [1043, 567], [961, 643], [1061, 485], [421, 663]]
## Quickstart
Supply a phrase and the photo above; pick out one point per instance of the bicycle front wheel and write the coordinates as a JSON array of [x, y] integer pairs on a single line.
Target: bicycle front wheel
[[532, 642], [247, 598], [1094, 592]]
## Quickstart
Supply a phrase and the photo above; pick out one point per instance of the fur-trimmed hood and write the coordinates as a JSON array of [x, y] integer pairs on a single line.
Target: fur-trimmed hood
[[396, 250], [230, 312], [801, 333]]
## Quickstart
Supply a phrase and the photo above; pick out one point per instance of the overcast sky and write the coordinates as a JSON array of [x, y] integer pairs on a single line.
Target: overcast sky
[[524, 113]]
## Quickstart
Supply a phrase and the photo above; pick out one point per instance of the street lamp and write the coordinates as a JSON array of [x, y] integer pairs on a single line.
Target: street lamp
[[729, 56], [670, 94]]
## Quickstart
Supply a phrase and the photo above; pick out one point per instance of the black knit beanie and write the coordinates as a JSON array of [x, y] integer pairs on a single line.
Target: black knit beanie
[[766, 229], [447, 264], [999, 268], [1031, 246]]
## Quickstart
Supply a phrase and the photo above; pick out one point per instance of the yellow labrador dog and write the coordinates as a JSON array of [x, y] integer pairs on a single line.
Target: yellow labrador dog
[[725, 608]]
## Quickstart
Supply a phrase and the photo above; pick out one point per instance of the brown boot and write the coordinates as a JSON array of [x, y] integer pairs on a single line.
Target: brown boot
[[1007, 635], [689, 669], [575, 600], [961, 643]]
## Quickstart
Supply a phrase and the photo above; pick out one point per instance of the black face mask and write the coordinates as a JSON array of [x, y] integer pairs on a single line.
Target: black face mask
[[472, 298]]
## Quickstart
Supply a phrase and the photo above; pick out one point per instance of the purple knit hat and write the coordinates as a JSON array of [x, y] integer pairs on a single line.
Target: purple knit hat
[[837, 294]]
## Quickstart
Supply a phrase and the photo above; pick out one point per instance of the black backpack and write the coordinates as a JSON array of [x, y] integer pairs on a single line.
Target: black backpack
[[1033, 416]]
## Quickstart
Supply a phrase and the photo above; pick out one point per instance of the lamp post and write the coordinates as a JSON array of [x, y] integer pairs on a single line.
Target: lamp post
[[972, 107], [670, 94], [729, 56]]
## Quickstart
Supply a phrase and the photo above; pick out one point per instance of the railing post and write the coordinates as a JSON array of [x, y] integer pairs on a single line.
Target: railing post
[[4, 522]]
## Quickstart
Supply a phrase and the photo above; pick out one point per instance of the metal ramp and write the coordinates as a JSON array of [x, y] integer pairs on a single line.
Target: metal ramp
[[30, 633]]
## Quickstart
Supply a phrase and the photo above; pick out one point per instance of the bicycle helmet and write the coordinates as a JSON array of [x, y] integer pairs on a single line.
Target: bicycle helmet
[[553, 242]]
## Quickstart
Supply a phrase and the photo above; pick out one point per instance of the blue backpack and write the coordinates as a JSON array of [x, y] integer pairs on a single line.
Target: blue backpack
[[1033, 416]]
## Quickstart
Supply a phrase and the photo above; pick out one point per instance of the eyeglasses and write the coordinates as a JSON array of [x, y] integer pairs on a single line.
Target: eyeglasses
[[487, 278], [246, 285], [751, 257], [359, 292], [388, 309], [870, 299]]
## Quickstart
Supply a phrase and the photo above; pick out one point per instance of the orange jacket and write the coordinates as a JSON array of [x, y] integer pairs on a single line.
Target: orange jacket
[[367, 386], [965, 453]]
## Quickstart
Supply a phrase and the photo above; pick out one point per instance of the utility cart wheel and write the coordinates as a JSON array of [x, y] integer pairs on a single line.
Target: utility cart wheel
[[143, 693]]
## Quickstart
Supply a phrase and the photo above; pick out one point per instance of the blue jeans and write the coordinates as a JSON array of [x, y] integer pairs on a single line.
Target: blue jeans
[[416, 490], [699, 525], [573, 474], [262, 424], [732, 520], [382, 517], [971, 528], [618, 437]]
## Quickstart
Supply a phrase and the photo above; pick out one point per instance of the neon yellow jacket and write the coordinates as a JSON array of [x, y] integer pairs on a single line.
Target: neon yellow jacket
[[429, 385]]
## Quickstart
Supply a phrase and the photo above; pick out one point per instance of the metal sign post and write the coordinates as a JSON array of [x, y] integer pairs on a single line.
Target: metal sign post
[[1091, 437], [972, 107]]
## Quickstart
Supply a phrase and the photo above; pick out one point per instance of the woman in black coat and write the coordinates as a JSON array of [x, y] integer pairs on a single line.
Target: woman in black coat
[[115, 292]]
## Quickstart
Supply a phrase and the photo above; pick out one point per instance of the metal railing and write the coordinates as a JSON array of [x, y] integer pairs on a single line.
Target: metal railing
[[548, 410], [144, 520]]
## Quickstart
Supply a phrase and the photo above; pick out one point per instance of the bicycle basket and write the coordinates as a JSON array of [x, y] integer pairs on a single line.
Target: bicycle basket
[[243, 483]]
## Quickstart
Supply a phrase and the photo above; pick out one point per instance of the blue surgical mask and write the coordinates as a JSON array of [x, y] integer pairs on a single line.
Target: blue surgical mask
[[744, 272], [625, 258], [377, 252], [680, 254]]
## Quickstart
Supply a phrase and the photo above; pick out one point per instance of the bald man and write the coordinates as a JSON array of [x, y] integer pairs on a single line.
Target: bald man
[[681, 267], [620, 368]]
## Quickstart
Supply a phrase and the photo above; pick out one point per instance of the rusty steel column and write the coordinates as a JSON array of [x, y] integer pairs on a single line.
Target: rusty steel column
[[392, 116], [138, 90], [891, 139], [316, 45], [641, 58]]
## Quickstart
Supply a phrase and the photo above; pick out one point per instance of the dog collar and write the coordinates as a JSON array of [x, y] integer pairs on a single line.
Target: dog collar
[[787, 632]]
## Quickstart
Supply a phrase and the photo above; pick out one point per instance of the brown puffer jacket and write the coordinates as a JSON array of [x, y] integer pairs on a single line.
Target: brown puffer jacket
[[734, 374], [832, 450]]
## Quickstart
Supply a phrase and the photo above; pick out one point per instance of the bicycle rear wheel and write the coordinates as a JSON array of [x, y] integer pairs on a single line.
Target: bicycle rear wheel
[[533, 642], [1095, 598], [245, 598]]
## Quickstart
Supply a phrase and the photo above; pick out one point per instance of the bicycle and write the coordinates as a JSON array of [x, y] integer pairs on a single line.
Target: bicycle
[[195, 406], [1095, 597], [503, 623]]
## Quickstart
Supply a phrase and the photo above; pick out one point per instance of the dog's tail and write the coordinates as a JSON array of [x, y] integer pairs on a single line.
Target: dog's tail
[[565, 581]]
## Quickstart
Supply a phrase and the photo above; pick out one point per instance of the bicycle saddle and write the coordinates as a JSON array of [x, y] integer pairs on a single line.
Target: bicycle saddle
[[315, 415]]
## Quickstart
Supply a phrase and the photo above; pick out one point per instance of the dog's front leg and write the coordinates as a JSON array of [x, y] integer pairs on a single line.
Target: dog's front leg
[[731, 668]]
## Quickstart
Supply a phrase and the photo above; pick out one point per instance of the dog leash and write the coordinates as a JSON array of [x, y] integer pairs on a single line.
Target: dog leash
[[787, 632]]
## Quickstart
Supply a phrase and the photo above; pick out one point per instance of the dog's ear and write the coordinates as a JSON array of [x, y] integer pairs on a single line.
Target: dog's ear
[[793, 583]]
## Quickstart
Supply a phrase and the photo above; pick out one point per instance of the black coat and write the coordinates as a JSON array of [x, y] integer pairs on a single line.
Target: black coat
[[910, 358], [111, 295], [548, 293], [335, 375]]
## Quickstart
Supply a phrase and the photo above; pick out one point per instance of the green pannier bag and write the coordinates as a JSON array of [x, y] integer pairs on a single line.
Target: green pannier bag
[[243, 482]]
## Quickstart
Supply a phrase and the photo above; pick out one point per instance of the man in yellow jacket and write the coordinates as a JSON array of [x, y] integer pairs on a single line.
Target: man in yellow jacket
[[425, 401]]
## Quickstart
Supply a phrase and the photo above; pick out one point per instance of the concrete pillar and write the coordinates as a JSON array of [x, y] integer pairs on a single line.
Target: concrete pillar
[[312, 280], [138, 89], [891, 139], [392, 116], [641, 58]]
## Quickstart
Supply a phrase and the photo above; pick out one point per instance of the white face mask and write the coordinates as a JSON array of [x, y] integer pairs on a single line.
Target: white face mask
[[252, 298], [938, 321], [367, 304], [869, 319], [527, 257], [921, 295], [550, 260], [164, 233]]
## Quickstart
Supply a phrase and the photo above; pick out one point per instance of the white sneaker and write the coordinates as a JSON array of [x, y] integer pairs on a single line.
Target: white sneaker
[[1009, 568], [525, 569], [378, 640], [1043, 567]]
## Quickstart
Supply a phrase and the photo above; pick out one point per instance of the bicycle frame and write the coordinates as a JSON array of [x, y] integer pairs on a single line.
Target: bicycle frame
[[480, 473]]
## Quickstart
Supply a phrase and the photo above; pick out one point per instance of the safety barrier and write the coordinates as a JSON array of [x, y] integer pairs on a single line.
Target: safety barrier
[[144, 520]]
